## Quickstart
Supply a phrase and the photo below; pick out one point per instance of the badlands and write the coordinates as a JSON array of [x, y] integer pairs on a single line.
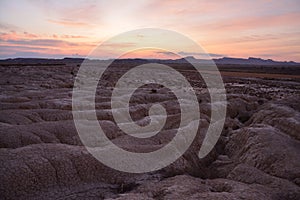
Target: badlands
[[42, 157]]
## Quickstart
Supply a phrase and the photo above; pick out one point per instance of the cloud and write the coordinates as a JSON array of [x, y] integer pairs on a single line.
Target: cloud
[[235, 28], [84, 10], [183, 53], [70, 23], [119, 45], [13, 43], [73, 36], [167, 53], [30, 35], [41, 42], [266, 37], [12, 35], [8, 27], [10, 48], [26, 37], [31, 54], [257, 22], [42, 47], [69, 36]]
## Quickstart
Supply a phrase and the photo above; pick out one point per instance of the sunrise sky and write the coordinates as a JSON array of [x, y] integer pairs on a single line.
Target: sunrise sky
[[231, 28]]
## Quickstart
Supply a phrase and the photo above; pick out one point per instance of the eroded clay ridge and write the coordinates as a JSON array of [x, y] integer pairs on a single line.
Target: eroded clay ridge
[[41, 155]]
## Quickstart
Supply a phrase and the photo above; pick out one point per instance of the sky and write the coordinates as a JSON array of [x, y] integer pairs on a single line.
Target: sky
[[226, 28]]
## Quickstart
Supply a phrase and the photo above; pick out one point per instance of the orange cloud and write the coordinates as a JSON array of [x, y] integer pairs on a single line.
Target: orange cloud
[[151, 53]]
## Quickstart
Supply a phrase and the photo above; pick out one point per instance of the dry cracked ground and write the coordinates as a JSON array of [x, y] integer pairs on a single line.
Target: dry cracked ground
[[42, 157]]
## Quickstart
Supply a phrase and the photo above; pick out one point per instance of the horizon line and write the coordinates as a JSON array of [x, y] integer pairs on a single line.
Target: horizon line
[[135, 58]]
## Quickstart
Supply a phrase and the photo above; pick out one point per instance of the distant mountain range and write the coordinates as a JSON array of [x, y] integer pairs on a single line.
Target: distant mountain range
[[219, 61], [252, 61]]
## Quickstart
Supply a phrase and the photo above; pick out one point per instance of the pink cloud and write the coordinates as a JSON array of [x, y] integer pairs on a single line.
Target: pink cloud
[[254, 22], [13, 42], [69, 23]]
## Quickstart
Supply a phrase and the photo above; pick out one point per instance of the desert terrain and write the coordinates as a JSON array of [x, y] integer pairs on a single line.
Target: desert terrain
[[256, 157]]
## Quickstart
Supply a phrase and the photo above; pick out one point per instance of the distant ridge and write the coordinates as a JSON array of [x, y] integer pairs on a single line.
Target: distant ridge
[[219, 61], [252, 61]]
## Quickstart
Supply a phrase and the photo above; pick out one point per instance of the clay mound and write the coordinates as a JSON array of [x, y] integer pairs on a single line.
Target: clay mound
[[266, 149], [42, 157], [282, 117]]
